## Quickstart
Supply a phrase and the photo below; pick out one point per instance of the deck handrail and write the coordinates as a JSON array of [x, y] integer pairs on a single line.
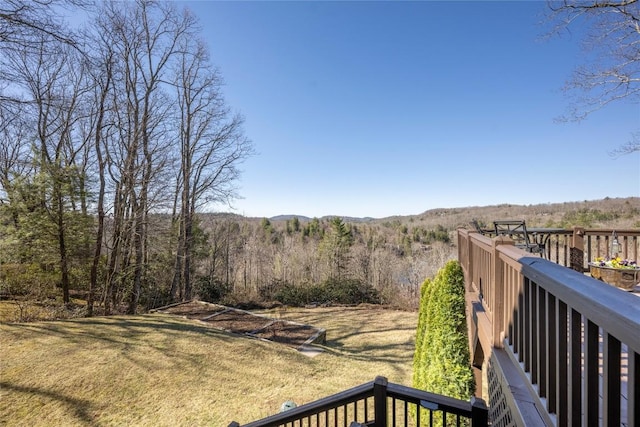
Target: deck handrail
[[575, 247], [385, 397], [575, 314], [614, 310], [328, 403]]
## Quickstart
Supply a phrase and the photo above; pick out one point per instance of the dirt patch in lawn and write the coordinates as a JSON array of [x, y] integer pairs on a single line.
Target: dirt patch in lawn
[[287, 333], [193, 310], [243, 322], [238, 322]]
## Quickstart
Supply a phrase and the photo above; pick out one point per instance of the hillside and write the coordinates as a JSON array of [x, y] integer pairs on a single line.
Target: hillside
[[625, 213]]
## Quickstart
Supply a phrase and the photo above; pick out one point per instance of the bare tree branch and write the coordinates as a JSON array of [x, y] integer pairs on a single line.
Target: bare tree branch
[[611, 72]]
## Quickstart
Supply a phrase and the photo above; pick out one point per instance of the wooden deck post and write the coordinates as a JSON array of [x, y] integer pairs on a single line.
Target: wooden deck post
[[469, 267], [497, 288], [380, 401], [479, 413], [576, 251]]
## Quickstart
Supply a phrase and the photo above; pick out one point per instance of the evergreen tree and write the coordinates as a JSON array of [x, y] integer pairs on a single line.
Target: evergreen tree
[[441, 359], [335, 246]]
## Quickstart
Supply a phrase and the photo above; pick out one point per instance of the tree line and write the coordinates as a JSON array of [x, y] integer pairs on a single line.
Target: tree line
[[115, 137], [102, 129], [317, 260]]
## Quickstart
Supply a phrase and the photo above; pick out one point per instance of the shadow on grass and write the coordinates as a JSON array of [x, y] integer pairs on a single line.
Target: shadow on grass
[[345, 337], [79, 407], [370, 350], [130, 327], [126, 333], [366, 335]]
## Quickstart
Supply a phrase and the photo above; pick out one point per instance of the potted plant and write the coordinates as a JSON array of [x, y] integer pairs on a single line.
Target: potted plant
[[623, 273]]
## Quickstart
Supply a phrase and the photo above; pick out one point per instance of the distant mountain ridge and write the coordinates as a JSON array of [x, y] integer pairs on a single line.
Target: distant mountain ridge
[[625, 209], [621, 212], [306, 218]]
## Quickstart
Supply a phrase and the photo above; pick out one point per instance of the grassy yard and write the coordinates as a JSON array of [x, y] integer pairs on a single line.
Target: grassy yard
[[157, 370]]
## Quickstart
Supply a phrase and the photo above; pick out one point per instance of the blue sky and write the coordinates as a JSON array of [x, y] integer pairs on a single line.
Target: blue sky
[[393, 108]]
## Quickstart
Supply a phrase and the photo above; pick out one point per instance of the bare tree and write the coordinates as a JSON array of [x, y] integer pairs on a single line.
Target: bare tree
[[144, 37], [612, 44], [24, 27], [23, 24], [101, 69], [212, 146], [14, 153], [629, 147]]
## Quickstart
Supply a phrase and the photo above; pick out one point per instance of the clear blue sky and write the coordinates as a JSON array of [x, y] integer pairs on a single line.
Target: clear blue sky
[[393, 108]]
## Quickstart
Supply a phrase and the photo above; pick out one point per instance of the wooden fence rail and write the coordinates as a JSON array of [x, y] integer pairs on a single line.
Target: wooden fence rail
[[380, 404], [576, 247]]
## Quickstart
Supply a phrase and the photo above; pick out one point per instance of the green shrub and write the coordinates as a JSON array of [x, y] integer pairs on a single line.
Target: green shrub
[[28, 279], [293, 295], [268, 291], [211, 290], [418, 361], [348, 291], [331, 291], [441, 358]]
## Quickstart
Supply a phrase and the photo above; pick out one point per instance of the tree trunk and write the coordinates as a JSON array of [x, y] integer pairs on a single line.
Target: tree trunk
[[138, 269], [64, 268], [93, 280], [177, 268]]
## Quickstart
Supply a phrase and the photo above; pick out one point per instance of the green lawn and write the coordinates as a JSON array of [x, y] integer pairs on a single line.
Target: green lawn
[[155, 370]]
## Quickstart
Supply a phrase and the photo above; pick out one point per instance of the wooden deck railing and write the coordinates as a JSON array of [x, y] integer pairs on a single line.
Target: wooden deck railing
[[575, 340], [380, 404], [585, 244]]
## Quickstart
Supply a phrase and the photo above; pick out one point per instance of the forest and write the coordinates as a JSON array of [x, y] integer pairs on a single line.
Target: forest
[[116, 140], [245, 262], [105, 130]]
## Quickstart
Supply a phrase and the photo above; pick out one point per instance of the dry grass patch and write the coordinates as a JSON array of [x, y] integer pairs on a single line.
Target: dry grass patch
[[163, 370], [26, 310]]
